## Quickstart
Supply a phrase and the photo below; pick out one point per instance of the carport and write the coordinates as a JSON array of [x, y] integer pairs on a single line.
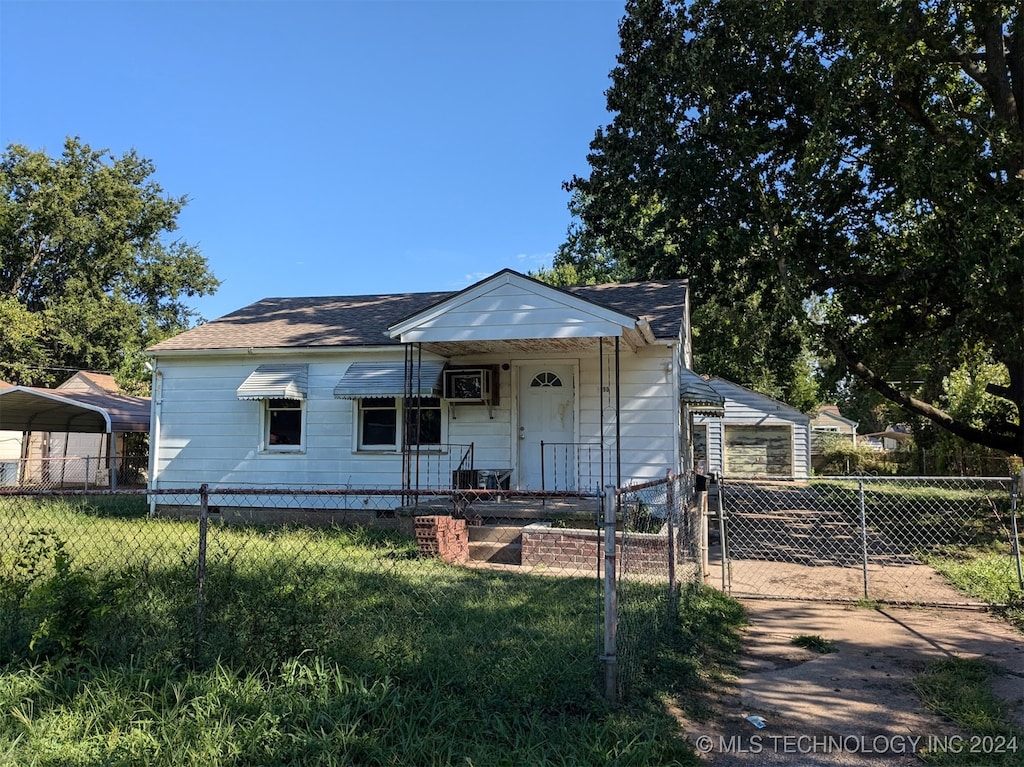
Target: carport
[[31, 410]]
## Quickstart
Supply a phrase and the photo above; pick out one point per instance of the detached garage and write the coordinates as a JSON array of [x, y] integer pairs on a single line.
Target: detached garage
[[757, 436]]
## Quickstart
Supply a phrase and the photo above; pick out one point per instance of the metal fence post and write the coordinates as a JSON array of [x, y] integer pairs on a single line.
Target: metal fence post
[[670, 503], [204, 518], [863, 535], [703, 534], [1018, 485], [726, 584], [611, 612]]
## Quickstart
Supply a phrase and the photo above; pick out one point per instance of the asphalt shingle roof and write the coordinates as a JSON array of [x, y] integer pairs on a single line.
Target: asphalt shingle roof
[[333, 321]]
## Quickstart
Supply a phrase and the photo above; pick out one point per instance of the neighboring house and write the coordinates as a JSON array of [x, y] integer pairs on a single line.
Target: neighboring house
[[756, 436], [509, 383], [10, 450], [894, 438], [80, 434], [827, 425], [87, 382], [79, 454]]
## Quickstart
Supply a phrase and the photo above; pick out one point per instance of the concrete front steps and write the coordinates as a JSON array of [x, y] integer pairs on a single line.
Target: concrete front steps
[[497, 544]]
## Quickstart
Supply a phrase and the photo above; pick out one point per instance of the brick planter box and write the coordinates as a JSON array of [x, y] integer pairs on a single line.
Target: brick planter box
[[576, 549], [445, 537]]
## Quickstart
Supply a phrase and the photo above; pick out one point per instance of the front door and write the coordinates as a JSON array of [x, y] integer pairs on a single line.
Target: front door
[[547, 414]]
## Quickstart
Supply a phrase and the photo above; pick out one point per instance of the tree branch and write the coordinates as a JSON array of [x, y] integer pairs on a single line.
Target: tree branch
[[19, 283], [999, 391], [1008, 443]]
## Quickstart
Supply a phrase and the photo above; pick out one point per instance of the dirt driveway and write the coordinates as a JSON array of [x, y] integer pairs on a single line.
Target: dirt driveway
[[857, 706]]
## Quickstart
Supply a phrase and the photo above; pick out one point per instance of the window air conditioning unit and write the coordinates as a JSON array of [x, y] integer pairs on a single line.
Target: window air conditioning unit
[[468, 385]]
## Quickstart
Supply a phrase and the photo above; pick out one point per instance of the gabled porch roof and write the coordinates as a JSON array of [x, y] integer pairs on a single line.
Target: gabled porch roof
[[510, 310]]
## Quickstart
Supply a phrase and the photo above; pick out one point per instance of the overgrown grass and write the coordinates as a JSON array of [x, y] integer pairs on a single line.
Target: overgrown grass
[[960, 689], [700, 651], [986, 577], [926, 516], [316, 647]]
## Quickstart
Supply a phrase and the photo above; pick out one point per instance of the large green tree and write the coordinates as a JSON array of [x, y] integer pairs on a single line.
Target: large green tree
[[845, 173], [88, 275]]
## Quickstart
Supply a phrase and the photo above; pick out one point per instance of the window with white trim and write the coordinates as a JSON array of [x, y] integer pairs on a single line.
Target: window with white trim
[[378, 423], [283, 424], [423, 421], [379, 419]]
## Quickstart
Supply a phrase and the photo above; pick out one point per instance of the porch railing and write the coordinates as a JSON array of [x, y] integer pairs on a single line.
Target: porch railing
[[439, 466], [572, 466]]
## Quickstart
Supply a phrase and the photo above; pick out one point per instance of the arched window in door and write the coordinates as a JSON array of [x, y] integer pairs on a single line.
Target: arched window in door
[[545, 379]]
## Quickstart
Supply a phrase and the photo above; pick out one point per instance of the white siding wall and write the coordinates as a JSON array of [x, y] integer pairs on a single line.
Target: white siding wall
[[10, 445], [488, 428], [10, 452], [649, 411], [511, 311], [207, 435]]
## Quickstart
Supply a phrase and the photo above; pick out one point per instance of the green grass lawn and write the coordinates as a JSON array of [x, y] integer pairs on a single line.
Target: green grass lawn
[[960, 689], [316, 647], [986, 577]]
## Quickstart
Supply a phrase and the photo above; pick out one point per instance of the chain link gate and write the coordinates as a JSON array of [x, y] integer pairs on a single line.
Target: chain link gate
[[943, 541], [656, 529]]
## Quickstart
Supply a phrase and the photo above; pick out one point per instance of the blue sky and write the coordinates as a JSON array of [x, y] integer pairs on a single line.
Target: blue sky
[[332, 147]]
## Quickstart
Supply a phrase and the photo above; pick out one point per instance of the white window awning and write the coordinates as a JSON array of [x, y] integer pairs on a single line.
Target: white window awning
[[276, 382], [698, 394], [390, 379]]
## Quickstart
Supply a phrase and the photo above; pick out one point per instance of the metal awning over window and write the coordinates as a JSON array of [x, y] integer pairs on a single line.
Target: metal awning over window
[[698, 394], [390, 379], [276, 382]]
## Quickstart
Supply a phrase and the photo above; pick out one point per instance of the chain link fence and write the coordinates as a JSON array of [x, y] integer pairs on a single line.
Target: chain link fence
[[81, 472], [658, 553], [201, 576], [905, 540], [195, 576]]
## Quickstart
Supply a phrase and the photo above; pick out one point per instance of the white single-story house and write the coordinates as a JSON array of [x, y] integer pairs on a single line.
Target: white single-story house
[[509, 383], [755, 436], [894, 438]]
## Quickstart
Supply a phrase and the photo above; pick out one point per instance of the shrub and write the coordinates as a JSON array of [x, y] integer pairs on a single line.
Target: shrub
[[842, 457], [60, 608]]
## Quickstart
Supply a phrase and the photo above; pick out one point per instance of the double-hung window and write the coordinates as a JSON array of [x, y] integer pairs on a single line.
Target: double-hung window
[[378, 423], [382, 419], [423, 421], [280, 390], [283, 424]]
